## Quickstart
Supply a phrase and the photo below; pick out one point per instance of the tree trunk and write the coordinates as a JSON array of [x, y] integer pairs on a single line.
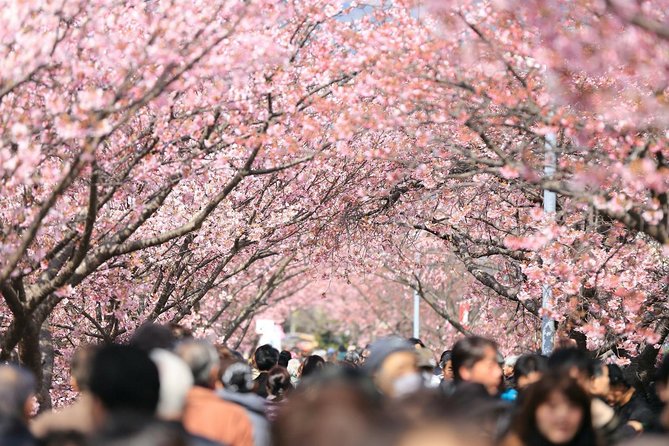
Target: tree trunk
[[48, 354], [30, 355]]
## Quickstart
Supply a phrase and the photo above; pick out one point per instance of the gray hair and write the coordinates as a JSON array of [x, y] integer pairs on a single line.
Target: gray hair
[[202, 359], [16, 386], [238, 377], [176, 379]]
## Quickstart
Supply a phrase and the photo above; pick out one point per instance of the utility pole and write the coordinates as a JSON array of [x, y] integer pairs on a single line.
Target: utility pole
[[416, 314], [550, 201]]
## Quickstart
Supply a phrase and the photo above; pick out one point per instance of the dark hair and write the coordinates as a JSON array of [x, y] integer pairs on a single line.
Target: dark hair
[[266, 357], [416, 341], [278, 381], [311, 365], [529, 363], [524, 423], [16, 385], [81, 364], [340, 406], [445, 357], [468, 351], [284, 357], [564, 359], [597, 368], [125, 379], [616, 377], [63, 438], [150, 336], [662, 372]]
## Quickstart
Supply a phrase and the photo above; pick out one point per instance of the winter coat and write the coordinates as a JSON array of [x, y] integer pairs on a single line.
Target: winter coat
[[255, 407]]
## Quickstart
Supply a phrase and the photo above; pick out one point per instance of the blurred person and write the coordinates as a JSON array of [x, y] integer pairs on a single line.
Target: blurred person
[[278, 387], [647, 440], [126, 388], [475, 419], [392, 365], [265, 357], [176, 380], [446, 365], [426, 365], [508, 367], [152, 434], [238, 388], [632, 409], [179, 332], [578, 364], [474, 360], [341, 353], [353, 357], [334, 408], [67, 438], [311, 364], [206, 414], [662, 388], [294, 366], [574, 362], [284, 357], [554, 411], [77, 417], [600, 383], [17, 399], [438, 434], [417, 343], [150, 336], [529, 369], [365, 353]]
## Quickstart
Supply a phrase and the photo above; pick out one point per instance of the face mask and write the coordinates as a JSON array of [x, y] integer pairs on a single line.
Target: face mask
[[407, 384]]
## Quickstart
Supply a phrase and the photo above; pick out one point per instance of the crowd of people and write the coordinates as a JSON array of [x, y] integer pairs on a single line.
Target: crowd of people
[[169, 389]]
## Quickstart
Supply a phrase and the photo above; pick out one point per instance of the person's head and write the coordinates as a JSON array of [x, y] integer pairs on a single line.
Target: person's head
[[278, 382], [353, 357], [426, 362], [226, 354], [124, 379], [237, 377], [179, 332], [555, 410], [202, 360], [662, 380], [17, 390], [529, 369], [284, 357], [599, 381], [312, 364], [293, 368], [80, 367], [618, 385], [509, 364], [475, 360], [176, 380], [392, 364], [150, 336], [417, 343], [574, 362], [446, 365], [336, 407], [266, 357]]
